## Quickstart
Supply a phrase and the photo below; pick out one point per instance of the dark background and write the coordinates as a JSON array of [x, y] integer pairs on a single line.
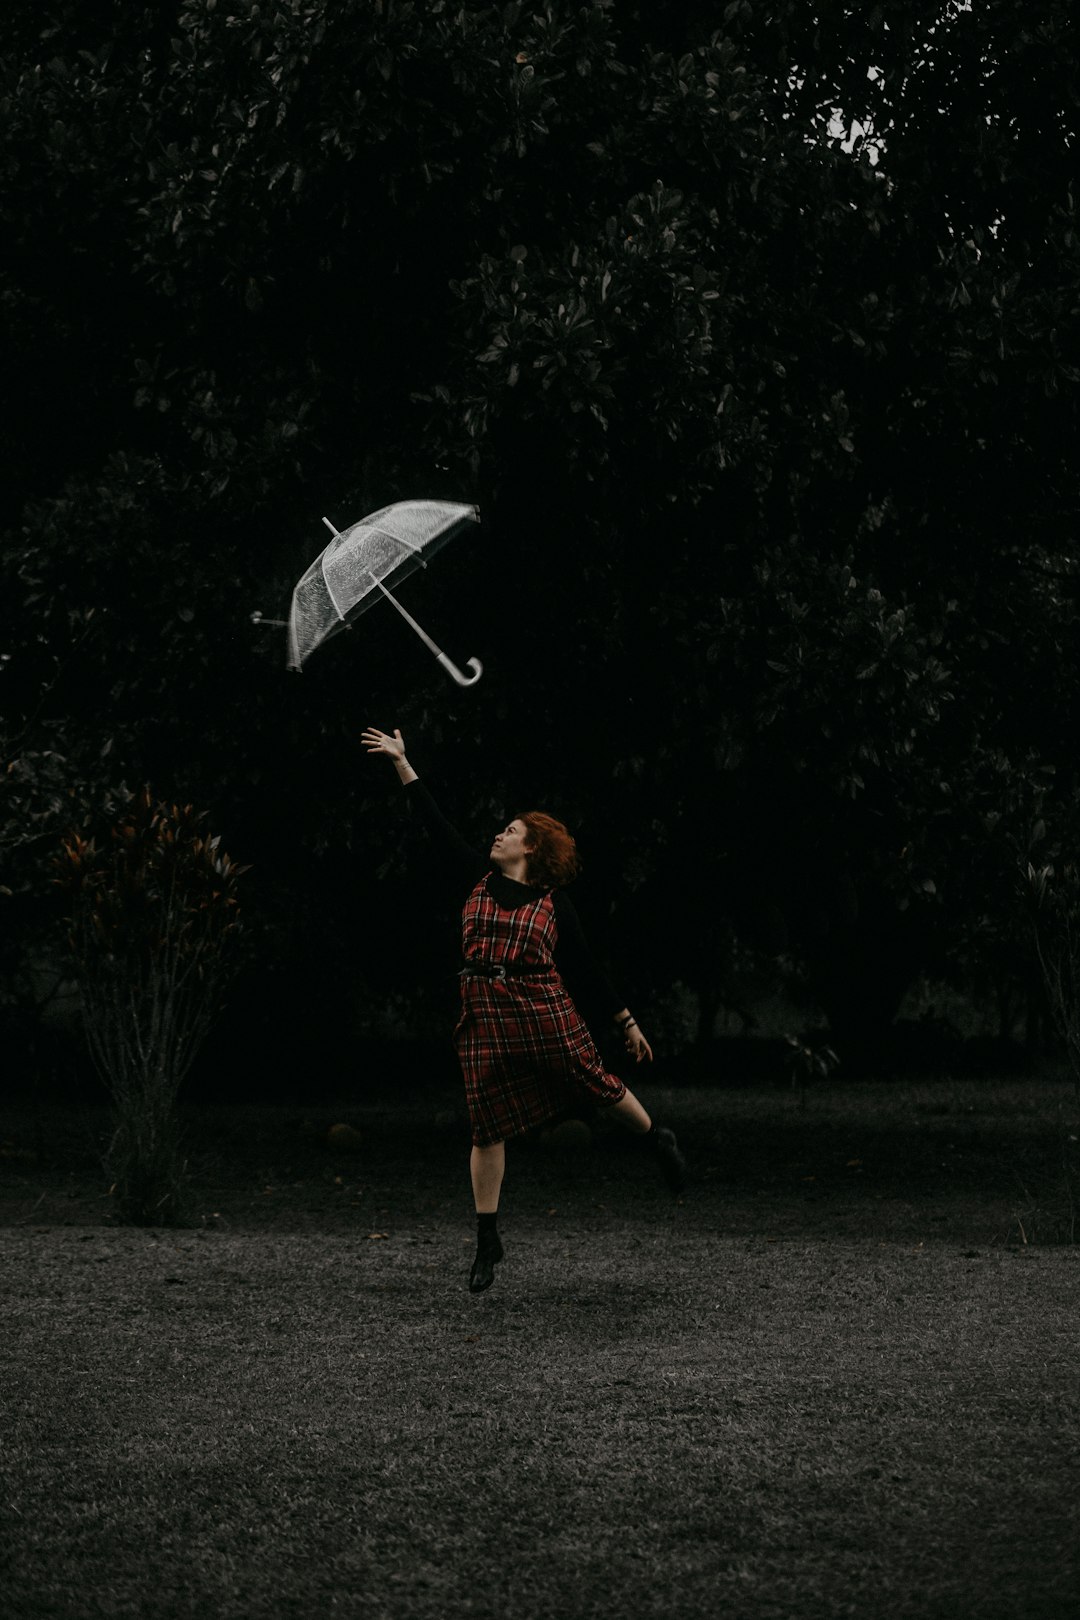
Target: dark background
[[772, 425]]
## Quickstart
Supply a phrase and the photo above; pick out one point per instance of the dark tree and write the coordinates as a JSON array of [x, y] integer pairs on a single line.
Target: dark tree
[[772, 421]]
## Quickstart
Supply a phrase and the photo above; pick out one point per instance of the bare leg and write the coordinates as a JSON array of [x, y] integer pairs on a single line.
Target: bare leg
[[629, 1112], [486, 1166], [661, 1141]]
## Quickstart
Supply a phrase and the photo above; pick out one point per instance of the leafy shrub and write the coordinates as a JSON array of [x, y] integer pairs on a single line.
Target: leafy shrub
[[154, 934]]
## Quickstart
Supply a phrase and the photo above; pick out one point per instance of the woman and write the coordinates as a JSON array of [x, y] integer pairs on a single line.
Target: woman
[[524, 1048]]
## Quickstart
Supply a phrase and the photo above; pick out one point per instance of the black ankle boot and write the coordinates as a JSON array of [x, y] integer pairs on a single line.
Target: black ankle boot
[[665, 1149], [489, 1251]]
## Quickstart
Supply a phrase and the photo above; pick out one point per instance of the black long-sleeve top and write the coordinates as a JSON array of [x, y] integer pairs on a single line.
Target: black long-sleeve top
[[582, 974]]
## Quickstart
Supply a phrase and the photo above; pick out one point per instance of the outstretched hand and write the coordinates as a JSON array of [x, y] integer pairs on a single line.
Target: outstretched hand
[[637, 1046], [381, 742]]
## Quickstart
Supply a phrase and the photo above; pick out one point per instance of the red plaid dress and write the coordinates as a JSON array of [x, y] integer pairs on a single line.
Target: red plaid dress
[[524, 1048]]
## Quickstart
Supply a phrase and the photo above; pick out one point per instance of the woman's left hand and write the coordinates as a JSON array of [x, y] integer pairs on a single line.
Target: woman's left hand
[[637, 1045]]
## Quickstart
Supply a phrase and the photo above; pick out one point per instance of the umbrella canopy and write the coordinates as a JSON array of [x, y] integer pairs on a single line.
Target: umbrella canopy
[[362, 563]]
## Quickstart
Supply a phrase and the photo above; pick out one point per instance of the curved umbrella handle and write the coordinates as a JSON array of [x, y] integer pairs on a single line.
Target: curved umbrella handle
[[447, 663], [451, 669]]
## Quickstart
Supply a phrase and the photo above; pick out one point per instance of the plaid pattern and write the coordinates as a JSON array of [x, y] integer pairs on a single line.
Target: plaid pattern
[[525, 1052]]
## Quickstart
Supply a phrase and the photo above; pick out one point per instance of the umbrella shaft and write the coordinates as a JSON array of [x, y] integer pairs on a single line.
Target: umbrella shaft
[[409, 620]]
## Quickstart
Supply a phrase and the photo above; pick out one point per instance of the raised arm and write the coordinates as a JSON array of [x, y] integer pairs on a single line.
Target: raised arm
[[467, 861]]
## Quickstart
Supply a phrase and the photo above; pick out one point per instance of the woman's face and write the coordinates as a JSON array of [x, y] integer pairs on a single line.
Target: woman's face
[[511, 844]]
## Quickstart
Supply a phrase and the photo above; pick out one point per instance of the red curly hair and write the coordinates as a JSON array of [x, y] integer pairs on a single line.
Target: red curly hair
[[553, 858]]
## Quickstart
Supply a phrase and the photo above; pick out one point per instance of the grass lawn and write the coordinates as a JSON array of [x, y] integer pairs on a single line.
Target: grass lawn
[[839, 1377]]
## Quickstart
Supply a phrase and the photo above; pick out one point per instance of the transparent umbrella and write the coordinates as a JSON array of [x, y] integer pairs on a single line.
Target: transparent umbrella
[[360, 565]]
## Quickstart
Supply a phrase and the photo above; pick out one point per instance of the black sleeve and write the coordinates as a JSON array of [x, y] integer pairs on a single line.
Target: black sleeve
[[467, 863], [589, 987]]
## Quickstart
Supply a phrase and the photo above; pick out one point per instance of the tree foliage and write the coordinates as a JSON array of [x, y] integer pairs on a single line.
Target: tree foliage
[[748, 330]]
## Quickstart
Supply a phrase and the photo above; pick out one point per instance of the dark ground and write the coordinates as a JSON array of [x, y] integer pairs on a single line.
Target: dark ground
[[839, 1377]]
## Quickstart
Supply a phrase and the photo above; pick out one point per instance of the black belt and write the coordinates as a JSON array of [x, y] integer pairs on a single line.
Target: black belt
[[502, 971]]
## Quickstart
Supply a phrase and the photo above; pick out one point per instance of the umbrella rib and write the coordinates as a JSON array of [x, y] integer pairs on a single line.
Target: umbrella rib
[[330, 588], [373, 528], [399, 540], [406, 545]]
